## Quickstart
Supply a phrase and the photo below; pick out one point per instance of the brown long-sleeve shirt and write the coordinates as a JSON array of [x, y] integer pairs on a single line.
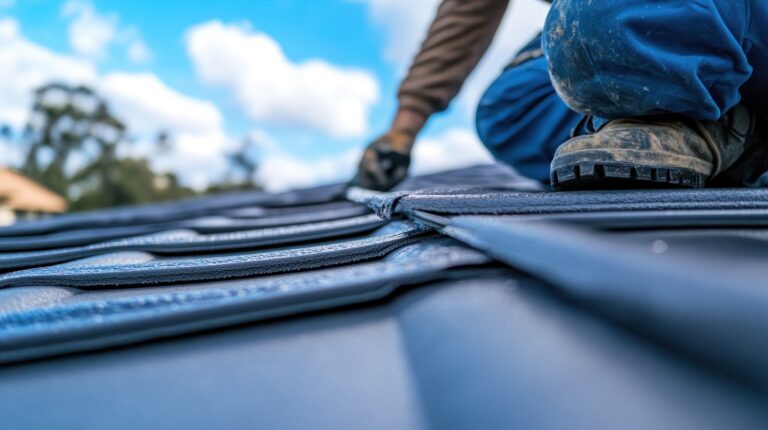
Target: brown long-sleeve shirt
[[459, 36]]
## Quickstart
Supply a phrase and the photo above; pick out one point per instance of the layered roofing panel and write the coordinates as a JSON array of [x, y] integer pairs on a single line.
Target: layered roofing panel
[[470, 299]]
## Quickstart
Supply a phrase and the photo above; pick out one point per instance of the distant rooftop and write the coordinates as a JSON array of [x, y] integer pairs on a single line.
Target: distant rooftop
[[20, 193]]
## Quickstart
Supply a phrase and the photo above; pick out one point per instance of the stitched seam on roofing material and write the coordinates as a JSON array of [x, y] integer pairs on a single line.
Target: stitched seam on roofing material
[[184, 243], [229, 306], [206, 225], [477, 177], [276, 285], [222, 223], [564, 202], [664, 299], [208, 268], [162, 212], [184, 327]]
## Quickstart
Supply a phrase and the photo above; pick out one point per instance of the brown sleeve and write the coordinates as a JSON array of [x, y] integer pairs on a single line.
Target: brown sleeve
[[459, 36]]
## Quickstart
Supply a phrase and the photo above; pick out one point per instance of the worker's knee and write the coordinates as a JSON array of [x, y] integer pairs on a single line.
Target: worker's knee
[[581, 41], [568, 40]]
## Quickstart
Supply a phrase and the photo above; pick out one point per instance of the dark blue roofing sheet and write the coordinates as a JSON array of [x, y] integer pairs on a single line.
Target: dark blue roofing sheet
[[476, 300], [135, 268], [76, 319], [176, 242]]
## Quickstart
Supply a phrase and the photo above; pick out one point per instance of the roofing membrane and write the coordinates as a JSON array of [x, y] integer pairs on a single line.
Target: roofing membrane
[[466, 299]]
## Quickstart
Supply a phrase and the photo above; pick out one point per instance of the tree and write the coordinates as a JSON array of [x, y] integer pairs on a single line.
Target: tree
[[71, 143], [66, 119], [129, 181]]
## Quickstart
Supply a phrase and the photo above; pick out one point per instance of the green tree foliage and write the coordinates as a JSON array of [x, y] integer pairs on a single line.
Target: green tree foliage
[[127, 181], [73, 125], [64, 119]]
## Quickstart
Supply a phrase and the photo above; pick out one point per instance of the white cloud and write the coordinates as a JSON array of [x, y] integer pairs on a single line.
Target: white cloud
[[523, 21], [406, 22], [92, 34], [195, 126], [7, 3], [281, 171], [150, 104], [25, 66], [142, 100], [313, 94], [453, 149]]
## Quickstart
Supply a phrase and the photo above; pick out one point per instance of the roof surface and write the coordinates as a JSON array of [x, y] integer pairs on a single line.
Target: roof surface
[[21, 193], [470, 299]]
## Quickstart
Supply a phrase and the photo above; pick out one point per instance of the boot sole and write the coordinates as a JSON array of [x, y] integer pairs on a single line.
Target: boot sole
[[591, 176]]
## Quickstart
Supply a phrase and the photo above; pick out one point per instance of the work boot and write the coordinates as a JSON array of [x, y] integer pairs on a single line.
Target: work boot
[[660, 152]]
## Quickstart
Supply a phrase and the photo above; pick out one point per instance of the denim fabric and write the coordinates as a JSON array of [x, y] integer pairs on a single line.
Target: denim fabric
[[522, 121], [624, 58]]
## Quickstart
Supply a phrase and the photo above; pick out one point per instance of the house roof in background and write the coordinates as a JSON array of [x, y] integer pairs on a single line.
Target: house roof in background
[[23, 194]]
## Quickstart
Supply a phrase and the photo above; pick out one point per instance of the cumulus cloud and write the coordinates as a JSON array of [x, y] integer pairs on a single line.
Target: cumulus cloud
[[150, 104], [195, 126], [405, 23], [92, 34], [142, 100], [281, 171], [313, 94], [453, 149], [523, 21], [25, 66]]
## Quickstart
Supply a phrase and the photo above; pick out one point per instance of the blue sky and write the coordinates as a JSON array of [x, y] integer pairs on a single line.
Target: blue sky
[[312, 81]]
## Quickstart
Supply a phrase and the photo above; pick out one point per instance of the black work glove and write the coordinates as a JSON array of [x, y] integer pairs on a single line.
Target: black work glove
[[385, 162]]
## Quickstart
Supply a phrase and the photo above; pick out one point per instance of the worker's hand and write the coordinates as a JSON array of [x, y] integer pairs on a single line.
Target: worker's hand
[[385, 162]]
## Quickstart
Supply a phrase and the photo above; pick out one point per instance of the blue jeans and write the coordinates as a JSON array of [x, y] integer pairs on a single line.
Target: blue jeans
[[522, 121], [625, 58]]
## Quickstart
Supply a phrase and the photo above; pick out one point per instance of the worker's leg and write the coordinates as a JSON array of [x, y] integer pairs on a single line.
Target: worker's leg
[[522, 121], [663, 64], [619, 58], [755, 91]]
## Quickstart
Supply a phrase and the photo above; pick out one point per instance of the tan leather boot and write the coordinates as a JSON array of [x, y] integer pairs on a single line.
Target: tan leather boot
[[670, 152]]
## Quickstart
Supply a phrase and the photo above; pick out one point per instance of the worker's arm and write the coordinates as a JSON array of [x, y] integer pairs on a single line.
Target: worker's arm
[[459, 36]]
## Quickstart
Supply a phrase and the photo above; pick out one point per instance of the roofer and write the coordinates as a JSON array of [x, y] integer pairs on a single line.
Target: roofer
[[520, 118], [682, 87], [671, 89]]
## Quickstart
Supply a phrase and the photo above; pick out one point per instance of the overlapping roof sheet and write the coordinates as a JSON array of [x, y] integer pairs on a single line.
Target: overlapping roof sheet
[[477, 299]]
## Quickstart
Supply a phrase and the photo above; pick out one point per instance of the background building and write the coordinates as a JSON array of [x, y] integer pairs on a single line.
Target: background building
[[22, 198]]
